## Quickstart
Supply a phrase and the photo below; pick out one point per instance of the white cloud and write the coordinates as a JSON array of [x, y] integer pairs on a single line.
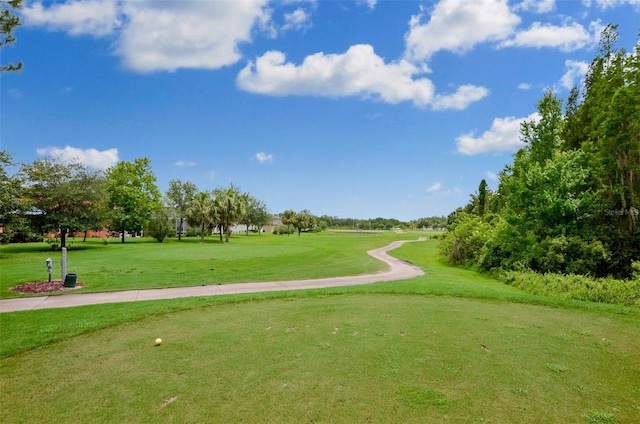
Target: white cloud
[[435, 187], [503, 136], [524, 86], [165, 36], [160, 35], [576, 70], [371, 4], [536, 6], [358, 72], [569, 37], [263, 157], [458, 25], [461, 99], [610, 4], [183, 163], [297, 20], [93, 17], [92, 158]]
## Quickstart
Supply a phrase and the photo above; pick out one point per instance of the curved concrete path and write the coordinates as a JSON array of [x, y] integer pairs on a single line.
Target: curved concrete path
[[398, 270]]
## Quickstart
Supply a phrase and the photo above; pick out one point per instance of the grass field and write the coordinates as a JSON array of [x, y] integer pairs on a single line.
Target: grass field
[[450, 346], [144, 263]]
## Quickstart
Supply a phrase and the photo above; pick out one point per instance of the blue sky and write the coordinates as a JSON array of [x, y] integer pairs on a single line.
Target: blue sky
[[357, 109]]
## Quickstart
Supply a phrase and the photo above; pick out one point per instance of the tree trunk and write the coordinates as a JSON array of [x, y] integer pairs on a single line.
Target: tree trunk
[[63, 237], [180, 229], [123, 235], [85, 236], [227, 229], [202, 233], [220, 231]]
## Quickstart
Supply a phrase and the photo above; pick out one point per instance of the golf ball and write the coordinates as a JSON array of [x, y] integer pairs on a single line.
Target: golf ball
[[158, 342]]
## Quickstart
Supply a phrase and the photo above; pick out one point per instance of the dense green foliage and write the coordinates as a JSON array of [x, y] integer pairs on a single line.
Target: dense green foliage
[[569, 202], [132, 195], [160, 226], [62, 197]]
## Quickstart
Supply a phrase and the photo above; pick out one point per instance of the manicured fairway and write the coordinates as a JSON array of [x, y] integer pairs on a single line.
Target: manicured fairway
[[140, 264], [351, 358], [450, 346]]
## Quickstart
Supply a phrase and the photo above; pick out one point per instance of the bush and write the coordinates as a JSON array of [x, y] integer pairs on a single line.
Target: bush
[[462, 245], [579, 287], [160, 227], [572, 255], [635, 268], [283, 229], [191, 232]]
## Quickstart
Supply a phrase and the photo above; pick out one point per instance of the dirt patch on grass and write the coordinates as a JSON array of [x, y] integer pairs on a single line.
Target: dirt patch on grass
[[44, 287]]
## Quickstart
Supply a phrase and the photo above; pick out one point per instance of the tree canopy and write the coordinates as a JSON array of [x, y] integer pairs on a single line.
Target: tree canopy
[[132, 195], [63, 196], [178, 197], [569, 202]]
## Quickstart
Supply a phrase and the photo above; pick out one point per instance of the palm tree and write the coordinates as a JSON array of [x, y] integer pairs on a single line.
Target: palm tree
[[288, 217], [201, 212], [232, 206]]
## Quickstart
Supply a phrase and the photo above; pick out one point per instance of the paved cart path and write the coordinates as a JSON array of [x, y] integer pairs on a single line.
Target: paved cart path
[[398, 270]]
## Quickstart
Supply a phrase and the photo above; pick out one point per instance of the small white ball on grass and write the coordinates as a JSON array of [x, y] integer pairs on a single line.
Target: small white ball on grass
[[158, 342]]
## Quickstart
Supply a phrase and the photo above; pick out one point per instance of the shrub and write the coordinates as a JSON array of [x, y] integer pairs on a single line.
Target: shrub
[[283, 229], [160, 227], [191, 232], [572, 255], [462, 245], [579, 287], [635, 269]]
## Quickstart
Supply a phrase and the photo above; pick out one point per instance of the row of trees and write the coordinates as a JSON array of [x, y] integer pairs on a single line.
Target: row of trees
[[569, 202], [49, 195], [381, 223], [219, 209]]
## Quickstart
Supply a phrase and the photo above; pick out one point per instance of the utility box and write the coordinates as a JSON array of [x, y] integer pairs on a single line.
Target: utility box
[[70, 280]]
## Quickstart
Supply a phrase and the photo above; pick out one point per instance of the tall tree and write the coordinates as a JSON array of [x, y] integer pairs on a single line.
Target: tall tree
[[64, 195], [482, 197], [257, 214], [544, 136], [304, 220], [232, 206], [132, 195], [202, 212], [9, 21], [288, 218], [179, 196]]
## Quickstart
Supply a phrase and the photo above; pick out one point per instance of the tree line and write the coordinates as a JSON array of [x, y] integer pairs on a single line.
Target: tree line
[[52, 196], [569, 202]]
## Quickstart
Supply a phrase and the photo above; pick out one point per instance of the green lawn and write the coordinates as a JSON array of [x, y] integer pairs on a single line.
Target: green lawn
[[450, 346], [144, 263]]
